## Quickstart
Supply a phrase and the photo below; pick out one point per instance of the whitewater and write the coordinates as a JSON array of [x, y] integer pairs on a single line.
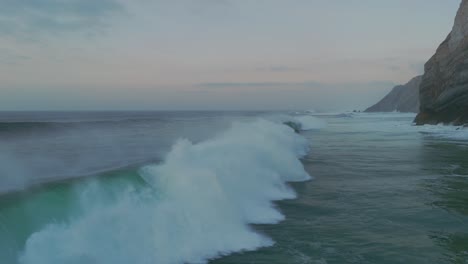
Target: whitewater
[[197, 204]]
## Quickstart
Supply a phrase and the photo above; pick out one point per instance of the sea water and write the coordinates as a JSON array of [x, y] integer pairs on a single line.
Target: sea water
[[224, 187]]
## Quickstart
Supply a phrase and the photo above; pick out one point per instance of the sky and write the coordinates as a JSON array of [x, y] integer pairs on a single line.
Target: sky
[[213, 54]]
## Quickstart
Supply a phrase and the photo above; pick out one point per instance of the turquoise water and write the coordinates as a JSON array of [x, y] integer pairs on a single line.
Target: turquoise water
[[383, 192]]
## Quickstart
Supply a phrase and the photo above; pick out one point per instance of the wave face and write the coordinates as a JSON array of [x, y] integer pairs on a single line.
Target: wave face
[[197, 205], [37, 148]]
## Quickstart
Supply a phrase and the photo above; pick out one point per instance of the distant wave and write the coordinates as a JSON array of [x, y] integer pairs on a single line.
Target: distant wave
[[32, 126], [455, 133], [198, 205], [10, 127]]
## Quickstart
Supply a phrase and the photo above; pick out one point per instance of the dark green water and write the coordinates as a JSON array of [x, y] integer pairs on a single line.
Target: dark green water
[[383, 192]]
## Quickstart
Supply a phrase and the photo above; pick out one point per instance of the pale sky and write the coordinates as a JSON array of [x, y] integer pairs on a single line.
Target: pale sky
[[213, 54]]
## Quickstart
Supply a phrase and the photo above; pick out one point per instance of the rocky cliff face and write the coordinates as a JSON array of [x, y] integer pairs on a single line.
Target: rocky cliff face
[[443, 93], [402, 98]]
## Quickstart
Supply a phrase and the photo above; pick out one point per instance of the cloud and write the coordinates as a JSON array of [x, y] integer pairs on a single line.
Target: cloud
[[209, 7], [394, 68], [11, 58], [30, 18], [279, 68], [295, 95], [294, 85], [256, 85]]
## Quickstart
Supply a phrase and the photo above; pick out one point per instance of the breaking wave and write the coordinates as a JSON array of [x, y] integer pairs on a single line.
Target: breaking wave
[[196, 205]]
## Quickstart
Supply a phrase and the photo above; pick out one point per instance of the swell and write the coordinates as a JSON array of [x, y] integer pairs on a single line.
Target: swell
[[22, 127], [198, 204], [45, 183], [15, 127]]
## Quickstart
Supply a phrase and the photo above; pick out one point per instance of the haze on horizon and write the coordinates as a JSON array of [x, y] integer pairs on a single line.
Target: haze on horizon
[[213, 54]]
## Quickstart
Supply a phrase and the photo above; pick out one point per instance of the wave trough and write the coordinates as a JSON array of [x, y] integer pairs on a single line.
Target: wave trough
[[198, 203]]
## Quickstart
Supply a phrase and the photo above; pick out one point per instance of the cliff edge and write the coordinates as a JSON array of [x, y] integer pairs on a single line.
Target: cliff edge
[[402, 98], [443, 92]]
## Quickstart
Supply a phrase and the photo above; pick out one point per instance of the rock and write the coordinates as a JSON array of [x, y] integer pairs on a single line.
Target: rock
[[443, 92], [402, 98]]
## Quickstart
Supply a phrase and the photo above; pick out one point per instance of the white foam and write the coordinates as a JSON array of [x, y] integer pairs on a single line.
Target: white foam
[[199, 205], [446, 132], [403, 123]]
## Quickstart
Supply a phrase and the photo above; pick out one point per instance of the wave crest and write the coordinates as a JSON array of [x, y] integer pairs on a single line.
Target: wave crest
[[198, 206]]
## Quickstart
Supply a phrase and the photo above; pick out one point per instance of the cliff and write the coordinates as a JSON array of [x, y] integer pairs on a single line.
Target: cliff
[[443, 93], [402, 98]]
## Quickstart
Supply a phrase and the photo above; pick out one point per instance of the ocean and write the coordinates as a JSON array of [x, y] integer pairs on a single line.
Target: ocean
[[231, 187]]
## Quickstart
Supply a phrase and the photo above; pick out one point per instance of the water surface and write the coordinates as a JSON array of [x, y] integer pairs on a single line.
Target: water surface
[[383, 191]]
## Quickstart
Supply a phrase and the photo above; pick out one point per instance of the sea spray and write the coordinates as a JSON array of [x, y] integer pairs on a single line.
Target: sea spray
[[198, 203]]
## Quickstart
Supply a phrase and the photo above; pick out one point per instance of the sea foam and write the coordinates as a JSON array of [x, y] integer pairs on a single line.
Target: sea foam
[[198, 203]]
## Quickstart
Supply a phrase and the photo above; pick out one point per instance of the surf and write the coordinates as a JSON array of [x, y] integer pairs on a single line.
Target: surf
[[196, 205]]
